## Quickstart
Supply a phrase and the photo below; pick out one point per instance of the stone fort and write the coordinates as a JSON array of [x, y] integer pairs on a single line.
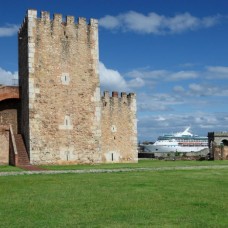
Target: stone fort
[[218, 145], [59, 115]]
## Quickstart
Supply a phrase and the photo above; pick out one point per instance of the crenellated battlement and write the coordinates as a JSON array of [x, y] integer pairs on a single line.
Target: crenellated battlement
[[64, 120], [58, 19], [124, 100], [115, 94]]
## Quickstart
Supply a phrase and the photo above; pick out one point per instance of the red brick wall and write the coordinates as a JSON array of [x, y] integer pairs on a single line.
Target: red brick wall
[[9, 92]]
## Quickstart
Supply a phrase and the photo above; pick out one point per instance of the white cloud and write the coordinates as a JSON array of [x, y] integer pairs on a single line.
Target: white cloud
[[174, 109], [207, 90], [151, 126], [148, 74], [157, 101], [154, 23], [196, 88], [163, 75], [8, 78], [178, 89], [136, 83], [111, 79], [9, 30], [215, 72], [140, 23], [181, 23], [109, 22], [182, 75]]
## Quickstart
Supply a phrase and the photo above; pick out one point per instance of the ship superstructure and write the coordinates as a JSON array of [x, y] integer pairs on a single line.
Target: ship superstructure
[[178, 142]]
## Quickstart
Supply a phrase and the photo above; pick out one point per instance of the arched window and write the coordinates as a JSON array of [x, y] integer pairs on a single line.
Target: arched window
[[224, 142]]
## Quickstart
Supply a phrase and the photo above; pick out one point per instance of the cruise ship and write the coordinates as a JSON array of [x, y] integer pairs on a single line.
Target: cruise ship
[[178, 142]]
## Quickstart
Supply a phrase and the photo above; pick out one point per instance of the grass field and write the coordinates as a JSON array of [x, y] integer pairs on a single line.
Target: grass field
[[7, 168], [187, 198], [141, 164]]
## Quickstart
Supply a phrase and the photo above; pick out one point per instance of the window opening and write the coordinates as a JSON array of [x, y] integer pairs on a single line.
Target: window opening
[[67, 155]]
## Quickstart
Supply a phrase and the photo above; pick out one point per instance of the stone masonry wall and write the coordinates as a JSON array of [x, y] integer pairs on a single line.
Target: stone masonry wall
[[61, 107], [7, 117], [119, 128], [220, 152], [9, 113], [63, 118], [4, 145], [217, 147], [23, 69], [225, 153]]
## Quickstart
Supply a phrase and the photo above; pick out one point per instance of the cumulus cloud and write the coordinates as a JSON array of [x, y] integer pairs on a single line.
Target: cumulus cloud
[[182, 75], [157, 101], [154, 23], [158, 112], [136, 83], [8, 78], [163, 75], [8, 30], [148, 74], [111, 79], [151, 126], [109, 22], [207, 90], [178, 89], [151, 79], [215, 72]]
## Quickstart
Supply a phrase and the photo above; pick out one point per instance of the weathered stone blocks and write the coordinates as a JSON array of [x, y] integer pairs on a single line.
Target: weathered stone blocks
[[64, 118]]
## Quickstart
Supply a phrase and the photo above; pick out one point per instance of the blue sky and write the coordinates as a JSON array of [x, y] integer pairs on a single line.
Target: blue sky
[[172, 53]]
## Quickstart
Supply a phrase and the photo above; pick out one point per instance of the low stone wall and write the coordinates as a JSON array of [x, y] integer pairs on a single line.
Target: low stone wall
[[176, 155], [179, 154]]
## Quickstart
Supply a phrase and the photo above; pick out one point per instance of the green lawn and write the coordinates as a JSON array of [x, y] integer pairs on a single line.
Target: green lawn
[[189, 198], [141, 164], [8, 168]]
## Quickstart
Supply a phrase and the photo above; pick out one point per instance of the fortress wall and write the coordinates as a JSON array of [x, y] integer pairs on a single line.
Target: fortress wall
[[23, 72], [63, 119], [4, 145], [9, 116], [61, 107], [119, 128], [9, 112]]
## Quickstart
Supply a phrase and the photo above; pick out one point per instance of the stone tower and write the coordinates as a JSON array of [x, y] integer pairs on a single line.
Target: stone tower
[[61, 108], [118, 127]]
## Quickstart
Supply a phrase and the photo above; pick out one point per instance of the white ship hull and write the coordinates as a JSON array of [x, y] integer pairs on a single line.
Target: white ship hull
[[182, 142], [167, 149]]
